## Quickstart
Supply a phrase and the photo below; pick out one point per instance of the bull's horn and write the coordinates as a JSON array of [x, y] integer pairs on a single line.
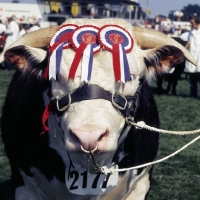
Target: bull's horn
[[38, 38], [149, 38]]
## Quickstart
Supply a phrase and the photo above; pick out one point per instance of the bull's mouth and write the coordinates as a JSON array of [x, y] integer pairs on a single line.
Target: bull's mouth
[[91, 152], [87, 162], [92, 161]]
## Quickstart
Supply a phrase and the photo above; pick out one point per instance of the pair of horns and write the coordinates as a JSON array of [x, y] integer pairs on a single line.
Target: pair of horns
[[145, 37]]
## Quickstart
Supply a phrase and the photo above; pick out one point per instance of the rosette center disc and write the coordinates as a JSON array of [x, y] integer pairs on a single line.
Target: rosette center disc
[[115, 38], [88, 38]]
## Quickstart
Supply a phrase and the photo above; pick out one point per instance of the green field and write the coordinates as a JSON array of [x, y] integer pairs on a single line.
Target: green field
[[177, 178]]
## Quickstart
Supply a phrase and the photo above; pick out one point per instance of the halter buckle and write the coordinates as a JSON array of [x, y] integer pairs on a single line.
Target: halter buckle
[[116, 104], [66, 106]]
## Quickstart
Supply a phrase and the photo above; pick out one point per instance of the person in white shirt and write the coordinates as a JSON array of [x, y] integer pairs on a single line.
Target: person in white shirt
[[2, 27], [34, 27], [12, 34], [12, 31], [194, 48]]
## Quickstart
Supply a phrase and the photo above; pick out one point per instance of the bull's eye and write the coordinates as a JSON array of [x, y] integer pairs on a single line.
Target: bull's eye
[[132, 77]]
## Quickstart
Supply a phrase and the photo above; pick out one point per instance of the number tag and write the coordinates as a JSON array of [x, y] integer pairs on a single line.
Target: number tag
[[79, 181]]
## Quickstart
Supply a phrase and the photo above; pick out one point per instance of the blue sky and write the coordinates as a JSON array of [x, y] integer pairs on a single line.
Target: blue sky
[[164, 6], [156, 6]]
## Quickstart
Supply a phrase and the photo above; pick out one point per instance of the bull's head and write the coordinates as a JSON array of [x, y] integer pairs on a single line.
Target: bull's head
[[95, 125]]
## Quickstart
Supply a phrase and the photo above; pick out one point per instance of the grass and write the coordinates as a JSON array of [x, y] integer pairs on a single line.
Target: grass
[[5, 173], [5, 77], [177, 178]]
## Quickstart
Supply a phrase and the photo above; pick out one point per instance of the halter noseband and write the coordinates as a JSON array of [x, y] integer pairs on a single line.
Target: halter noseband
[[127, 105]]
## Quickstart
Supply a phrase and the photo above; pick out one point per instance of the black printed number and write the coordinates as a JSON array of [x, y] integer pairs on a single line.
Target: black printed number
[[84, 174], [94, 184], [104, 185], [75, 176]]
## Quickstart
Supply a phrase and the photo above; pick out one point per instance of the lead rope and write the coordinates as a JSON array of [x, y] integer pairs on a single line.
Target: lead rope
[[142, 125]]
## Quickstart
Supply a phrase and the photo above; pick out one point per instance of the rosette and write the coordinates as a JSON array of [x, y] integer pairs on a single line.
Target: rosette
[[58, 42], [84, 41], [117, 40]]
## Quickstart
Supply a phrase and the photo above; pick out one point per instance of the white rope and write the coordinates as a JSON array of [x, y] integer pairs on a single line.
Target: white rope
[[106, 170], [141, 125]]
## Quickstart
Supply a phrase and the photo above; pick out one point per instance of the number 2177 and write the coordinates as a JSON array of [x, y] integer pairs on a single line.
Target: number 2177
[[75, 176]]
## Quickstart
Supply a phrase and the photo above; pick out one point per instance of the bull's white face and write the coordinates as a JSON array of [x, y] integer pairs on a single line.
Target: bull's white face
[[94, 123]]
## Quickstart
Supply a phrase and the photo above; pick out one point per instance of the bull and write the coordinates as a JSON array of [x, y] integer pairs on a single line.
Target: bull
[[68, 108]]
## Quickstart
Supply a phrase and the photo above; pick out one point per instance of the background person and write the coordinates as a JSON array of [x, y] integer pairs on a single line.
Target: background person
[[12, 31], [2, 27], [194, 48], [2, 35], [12, 34], [35, 26]]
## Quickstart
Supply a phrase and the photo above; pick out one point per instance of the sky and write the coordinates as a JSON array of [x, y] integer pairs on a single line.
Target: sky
[[165, 6], [156, 6]]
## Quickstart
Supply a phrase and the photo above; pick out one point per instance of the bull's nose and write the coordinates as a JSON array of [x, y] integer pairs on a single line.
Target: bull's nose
[[88, 139]]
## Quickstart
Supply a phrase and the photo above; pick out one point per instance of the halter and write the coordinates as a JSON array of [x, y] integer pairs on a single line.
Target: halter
[[127, 105]]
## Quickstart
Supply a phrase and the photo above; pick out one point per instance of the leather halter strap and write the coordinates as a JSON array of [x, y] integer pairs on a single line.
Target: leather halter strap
[[88, 92]]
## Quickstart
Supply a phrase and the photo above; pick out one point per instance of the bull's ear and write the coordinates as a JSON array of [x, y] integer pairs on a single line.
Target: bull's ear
[[162, 59], [23, 57]]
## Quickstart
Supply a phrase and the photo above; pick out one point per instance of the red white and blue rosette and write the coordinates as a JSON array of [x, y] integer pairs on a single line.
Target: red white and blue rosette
[[119, 41], [84, 41], [58, 42]]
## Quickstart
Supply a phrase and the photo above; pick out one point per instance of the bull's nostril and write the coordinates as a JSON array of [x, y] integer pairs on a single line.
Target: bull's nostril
[[73, 136], [103, 136]]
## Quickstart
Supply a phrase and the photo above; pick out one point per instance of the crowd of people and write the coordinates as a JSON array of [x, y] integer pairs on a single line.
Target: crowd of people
[[11, 30], [189, 36]]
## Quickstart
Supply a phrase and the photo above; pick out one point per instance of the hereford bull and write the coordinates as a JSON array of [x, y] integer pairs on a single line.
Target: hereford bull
[[68, 109]]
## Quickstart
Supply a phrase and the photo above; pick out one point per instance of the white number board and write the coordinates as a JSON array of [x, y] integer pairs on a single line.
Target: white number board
[[80, 182]]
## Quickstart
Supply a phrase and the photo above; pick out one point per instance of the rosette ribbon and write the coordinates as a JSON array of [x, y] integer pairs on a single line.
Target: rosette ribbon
[[58, 42], [84, 41], [117, 40]]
